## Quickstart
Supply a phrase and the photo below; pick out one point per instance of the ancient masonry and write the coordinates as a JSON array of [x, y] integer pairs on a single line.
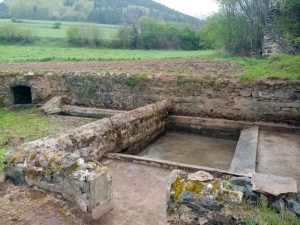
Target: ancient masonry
[[274, 42], [67, 163]]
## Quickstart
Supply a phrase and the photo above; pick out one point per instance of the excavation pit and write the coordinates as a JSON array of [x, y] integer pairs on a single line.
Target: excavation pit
[[192, 149]]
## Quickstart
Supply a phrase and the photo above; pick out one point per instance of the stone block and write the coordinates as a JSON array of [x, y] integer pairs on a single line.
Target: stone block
[[53, 105], [244, 159], [193, 200], [273, 185]]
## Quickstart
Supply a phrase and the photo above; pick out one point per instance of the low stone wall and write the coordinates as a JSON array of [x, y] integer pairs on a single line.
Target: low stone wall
[[199, 198], [65, 163]]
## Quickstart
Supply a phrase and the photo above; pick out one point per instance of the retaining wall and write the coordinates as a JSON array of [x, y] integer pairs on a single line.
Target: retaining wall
[[226, 98]]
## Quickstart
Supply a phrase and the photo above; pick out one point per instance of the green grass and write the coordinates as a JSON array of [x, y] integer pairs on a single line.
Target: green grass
[[17, 127], [44, 29], [276, 67], [53, 52], [271, 217]]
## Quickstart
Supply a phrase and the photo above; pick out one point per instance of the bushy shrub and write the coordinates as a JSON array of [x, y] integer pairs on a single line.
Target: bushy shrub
[[84, 35], [57, 25], [15, 33]]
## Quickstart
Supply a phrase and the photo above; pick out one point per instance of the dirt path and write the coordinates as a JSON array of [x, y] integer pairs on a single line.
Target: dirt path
[[163, 66]]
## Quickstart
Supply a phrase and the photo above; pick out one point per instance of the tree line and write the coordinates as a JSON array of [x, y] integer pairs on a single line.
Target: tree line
[[149, 33]]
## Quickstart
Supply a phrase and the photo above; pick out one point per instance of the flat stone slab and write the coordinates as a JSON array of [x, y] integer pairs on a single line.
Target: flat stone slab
[[274, 185], [53, 105], [244, 159]]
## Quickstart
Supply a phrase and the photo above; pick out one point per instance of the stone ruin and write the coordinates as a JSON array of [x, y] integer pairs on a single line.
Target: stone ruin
[[67, 163]]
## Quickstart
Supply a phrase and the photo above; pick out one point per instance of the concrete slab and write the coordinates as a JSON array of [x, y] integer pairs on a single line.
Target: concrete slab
[[244, 159], [192, 149], [139, 194], [279, 154], [274, 185]]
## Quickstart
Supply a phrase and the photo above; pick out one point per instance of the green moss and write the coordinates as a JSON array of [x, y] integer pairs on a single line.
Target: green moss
[[73, 167], [2, 101], [178, 186], [32, 174], [219, 197], [12, 159], [171, 211], [32, 156], [216, 185], [194, 186]]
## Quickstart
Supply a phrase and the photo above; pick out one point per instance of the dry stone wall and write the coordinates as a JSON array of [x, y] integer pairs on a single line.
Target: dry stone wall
[[274, 42], [227, 98]]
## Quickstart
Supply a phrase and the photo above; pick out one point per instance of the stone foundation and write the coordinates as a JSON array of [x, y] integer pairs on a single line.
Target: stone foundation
[[66, 163]]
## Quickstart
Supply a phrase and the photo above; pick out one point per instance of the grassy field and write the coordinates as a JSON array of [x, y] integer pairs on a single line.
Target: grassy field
[[49, 52], [44, 29]]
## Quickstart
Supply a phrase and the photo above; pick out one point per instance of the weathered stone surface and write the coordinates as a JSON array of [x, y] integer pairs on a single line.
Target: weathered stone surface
[[192, 201], [200, 176], [278, 205], [53, 105], [294, 207], [1, 182], [244, 159], [273, 185]]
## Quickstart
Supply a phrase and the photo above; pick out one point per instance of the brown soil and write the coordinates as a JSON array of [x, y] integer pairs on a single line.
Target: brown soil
[[153, 66]]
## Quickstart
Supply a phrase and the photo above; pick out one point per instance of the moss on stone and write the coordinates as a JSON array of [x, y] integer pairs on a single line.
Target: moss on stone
[[73, 167], [216, 185], [178, 186], [194, 186], [2, 101], [32, 174]]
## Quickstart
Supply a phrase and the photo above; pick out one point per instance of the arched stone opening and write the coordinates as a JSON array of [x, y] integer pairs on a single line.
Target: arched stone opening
[[22, 94]]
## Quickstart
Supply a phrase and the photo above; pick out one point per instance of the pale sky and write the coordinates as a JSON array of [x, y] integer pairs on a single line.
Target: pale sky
[[191, 7]]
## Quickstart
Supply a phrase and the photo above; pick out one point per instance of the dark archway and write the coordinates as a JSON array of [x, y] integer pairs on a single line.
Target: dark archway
[[22, 94]]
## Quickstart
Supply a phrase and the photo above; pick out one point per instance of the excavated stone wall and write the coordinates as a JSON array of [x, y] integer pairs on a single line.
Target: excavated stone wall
[[66, 163], [228, 98]]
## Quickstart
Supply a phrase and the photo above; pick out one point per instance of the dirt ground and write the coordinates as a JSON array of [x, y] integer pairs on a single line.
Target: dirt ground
[[153, 66]]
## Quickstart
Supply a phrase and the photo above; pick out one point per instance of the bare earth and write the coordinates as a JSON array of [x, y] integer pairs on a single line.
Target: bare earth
[[161, 66]]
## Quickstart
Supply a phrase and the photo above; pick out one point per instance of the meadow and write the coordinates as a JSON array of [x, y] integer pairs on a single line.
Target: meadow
[[44, 29], [52, 45]]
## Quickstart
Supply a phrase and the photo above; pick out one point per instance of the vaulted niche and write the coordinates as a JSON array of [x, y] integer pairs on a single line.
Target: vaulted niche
[[22, 94]]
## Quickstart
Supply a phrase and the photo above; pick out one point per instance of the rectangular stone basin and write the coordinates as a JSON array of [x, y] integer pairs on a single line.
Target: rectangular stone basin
[[192, 149]]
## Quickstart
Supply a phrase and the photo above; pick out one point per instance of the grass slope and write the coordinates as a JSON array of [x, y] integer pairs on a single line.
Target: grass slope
[[44, 29]]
